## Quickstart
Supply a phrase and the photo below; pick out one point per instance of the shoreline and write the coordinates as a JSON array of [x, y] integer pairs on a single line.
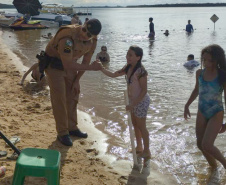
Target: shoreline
[[29, 116], [5, 6]]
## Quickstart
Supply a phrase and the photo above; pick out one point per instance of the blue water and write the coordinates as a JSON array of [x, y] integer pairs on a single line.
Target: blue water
[[172, 140]]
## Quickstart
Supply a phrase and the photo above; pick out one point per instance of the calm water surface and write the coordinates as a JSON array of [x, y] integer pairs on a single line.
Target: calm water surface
[[172, 140]]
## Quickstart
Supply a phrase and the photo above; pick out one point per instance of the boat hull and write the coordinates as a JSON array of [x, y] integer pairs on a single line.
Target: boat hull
[[20, 24], [64, 19], [27, 27], [5, 22]]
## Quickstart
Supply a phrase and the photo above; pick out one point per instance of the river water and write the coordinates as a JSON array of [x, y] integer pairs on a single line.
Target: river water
[[172, 139]]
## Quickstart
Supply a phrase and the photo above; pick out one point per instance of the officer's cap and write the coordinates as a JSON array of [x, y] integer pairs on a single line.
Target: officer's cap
[[94, 26]]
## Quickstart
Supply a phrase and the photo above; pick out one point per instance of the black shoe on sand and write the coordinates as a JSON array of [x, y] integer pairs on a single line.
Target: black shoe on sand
[[65, 140], [78, 133]]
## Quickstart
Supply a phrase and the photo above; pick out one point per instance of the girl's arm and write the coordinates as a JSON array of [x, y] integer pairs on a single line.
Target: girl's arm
[[25, 74], [193, 96], [223, 127], [115, 74], [224, 86]]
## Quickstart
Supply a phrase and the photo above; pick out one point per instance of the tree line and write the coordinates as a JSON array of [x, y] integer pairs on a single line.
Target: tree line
[[6, 6], [181, 5]]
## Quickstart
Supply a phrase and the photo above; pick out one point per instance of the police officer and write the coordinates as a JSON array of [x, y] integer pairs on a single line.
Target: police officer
[[63, 73]]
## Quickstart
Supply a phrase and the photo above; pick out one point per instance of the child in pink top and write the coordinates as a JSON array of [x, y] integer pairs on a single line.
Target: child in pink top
[[136, 77]]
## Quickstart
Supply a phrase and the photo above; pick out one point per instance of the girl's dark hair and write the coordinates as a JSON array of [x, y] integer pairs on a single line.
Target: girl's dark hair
[[139, 53], [218, 56]]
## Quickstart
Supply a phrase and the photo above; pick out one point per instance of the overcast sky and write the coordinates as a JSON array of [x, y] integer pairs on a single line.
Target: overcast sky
[[118, 2]]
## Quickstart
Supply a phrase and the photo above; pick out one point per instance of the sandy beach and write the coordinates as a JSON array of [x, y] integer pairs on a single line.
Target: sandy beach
[[27, 113]]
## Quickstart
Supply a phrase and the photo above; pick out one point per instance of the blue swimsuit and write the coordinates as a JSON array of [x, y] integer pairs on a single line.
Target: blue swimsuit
[[210, 96]]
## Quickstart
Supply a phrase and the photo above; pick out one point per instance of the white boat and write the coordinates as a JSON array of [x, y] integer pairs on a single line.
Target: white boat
[[56, 8], [61, 19], [55, 12], [53, 19], [49, 12], [14, 15], [5, 22]]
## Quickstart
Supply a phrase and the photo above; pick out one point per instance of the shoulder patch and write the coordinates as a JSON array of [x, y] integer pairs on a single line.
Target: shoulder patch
[[67, 50], [69, 43]]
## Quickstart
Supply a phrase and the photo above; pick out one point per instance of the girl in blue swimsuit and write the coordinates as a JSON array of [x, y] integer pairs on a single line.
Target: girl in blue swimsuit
[[210, 84]]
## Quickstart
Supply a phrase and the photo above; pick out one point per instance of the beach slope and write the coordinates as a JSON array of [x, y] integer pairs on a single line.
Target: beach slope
[[27, 113]]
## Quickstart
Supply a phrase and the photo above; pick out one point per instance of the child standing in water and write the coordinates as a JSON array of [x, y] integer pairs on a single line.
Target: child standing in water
[[136, 77], [210, 84]]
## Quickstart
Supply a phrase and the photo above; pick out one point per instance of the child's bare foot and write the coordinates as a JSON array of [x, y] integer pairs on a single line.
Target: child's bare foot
[[138, 152], [146, 157], [213, 165], [223, 128], [147, 161]]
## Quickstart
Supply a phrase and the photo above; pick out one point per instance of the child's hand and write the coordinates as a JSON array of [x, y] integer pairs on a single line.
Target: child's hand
[[186, 113], [223, 128], [97, 65], [97, 61]]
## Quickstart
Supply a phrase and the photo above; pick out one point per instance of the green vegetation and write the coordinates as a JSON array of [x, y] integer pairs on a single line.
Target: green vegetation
[[181, 5], [5, 6], [162, 5]]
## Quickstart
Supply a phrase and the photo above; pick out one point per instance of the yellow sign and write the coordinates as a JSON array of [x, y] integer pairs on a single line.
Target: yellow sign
[[214, 18]]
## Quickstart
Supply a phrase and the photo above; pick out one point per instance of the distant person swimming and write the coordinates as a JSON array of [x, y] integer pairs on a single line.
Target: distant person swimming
[[189, 27], [166, 33], [75, 20], [191, 63], [48, 36], [86, 20], [103, 56]]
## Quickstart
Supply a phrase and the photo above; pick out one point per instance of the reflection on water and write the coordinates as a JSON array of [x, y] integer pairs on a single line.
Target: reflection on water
[[172, 140]]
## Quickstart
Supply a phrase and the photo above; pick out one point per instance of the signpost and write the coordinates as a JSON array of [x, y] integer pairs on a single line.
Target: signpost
[[131, 132], [214, 18]]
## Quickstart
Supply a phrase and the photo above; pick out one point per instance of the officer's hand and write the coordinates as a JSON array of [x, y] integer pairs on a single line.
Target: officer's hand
[[96, 65]]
